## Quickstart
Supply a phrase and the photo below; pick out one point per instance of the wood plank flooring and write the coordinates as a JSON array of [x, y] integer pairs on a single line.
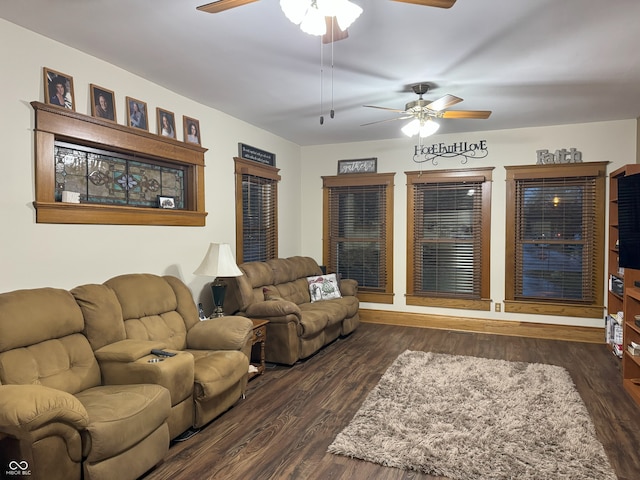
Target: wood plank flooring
[[282, 429]]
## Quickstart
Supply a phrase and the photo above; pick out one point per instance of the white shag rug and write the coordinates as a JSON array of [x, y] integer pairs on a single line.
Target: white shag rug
[[468, 418]]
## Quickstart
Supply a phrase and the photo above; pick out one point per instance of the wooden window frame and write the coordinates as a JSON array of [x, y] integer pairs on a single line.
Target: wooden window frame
[[249, 167], [554, 307], [53, 123], [363, 179], [483, 175]]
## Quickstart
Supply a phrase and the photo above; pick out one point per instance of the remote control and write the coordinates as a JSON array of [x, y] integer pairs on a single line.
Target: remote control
[[201, 312], [162, 353]]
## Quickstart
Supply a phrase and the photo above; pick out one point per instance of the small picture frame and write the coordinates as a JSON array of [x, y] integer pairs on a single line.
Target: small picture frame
[[358, 165], [137, 114], [166, 202], [103, 103], [166, 123], [58, 89], [191, 130]]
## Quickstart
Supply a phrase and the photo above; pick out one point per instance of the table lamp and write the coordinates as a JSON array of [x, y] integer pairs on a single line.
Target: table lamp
[[218, 262]]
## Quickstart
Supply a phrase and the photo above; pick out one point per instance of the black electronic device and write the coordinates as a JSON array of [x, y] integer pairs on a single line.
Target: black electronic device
[[629, 221], [162, 353]]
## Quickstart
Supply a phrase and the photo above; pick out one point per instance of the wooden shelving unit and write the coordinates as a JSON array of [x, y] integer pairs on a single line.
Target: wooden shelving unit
[[628, 300]]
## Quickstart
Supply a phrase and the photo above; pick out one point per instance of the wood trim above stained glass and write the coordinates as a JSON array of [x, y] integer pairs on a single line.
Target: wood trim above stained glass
[[118, 171]]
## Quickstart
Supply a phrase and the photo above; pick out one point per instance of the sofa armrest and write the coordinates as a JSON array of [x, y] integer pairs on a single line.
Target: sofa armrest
[[221, 333], [348, 287], [127, 350], [272, 309], [25, 408]]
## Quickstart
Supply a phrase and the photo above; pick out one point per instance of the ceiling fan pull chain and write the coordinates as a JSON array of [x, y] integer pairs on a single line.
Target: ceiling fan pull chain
[[321, 83], [332, 112]]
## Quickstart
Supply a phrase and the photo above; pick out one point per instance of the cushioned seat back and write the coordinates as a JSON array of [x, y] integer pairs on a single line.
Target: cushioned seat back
[[151, 310], [282, 277], [41, 341]]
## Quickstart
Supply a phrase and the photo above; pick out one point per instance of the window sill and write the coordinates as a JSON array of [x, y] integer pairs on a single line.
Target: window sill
[[461, 303], [97, 214], [375, 297], [557, 309]]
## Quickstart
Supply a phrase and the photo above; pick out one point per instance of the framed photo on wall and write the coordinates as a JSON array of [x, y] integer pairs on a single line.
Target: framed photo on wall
[[58, 89], [103, 103], [191, 130], [166, 123], [358, 165], [137, 114]]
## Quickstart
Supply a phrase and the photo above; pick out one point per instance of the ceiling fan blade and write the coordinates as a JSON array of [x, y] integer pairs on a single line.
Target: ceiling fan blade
[[480, 114], [222, 5], [333, 31], [387, 120], [431, 3], [443, 102], [385, 108]]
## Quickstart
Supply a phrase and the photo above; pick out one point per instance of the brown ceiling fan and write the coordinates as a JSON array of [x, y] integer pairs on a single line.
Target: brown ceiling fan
[[334, 33], [425, 110]]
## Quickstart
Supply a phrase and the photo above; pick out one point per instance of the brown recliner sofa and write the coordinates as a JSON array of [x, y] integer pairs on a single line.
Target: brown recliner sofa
[[278, 290], [59, 419], [131, 314]]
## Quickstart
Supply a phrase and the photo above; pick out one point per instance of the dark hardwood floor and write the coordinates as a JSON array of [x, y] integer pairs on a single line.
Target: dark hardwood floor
[[282, 429]]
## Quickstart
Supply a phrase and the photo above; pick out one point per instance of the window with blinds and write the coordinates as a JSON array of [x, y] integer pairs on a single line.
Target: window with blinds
[[555, 239], [256, 211], [555, 225], [449, 214], [358, 230]]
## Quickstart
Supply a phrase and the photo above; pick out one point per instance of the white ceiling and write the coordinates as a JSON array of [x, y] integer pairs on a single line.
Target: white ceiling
[[532, 62]]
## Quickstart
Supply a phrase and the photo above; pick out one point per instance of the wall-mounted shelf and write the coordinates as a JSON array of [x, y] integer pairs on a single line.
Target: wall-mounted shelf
[[54, 124]]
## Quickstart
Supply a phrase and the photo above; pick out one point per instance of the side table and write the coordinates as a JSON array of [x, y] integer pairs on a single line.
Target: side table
[[257, 346]]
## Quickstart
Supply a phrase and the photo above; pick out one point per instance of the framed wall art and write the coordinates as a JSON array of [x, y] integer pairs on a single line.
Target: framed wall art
[[358, 165], [103, 103], [191, 130], [166, 202], [137, 114], [58, 89], [166, 123]]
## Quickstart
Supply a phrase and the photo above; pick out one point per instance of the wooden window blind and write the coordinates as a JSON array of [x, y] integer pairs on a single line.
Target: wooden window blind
[[256, 211], [358, 227], [554, 262], [448, 238], [555, 240]]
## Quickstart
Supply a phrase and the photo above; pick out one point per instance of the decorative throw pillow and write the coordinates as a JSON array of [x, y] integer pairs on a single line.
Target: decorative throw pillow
[[323, 287]]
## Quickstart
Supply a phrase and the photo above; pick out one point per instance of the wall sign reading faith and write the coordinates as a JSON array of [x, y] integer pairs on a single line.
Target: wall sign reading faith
[[359, 165], [431, 153], [257, 155], [560, 156]]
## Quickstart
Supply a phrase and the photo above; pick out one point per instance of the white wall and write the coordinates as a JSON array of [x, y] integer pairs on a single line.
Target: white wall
[[34, 255], [607, 141]]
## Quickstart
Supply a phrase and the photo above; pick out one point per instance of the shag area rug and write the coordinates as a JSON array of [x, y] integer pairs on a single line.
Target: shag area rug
[[468, 418]]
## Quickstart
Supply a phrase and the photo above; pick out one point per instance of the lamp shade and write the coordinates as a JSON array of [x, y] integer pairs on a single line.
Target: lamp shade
[[218, 262]]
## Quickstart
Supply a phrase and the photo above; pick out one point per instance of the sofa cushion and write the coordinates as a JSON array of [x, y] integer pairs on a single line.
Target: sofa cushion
[[217, 371], [27, 317], [120, 416], [66, 364], [102, 314]]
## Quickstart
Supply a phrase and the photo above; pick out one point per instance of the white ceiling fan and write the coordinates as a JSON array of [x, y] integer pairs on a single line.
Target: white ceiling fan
[[424, 112], [329, 18]]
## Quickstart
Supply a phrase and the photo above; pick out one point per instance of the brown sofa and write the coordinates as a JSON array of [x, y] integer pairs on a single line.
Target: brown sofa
[[58, 418], [278, 290], [79, 397]]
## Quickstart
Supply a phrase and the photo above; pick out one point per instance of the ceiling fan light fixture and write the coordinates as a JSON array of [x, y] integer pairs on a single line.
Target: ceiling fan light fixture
[[310, 14], [411, 128], [295, 10], [428, 128], [314, 23]]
